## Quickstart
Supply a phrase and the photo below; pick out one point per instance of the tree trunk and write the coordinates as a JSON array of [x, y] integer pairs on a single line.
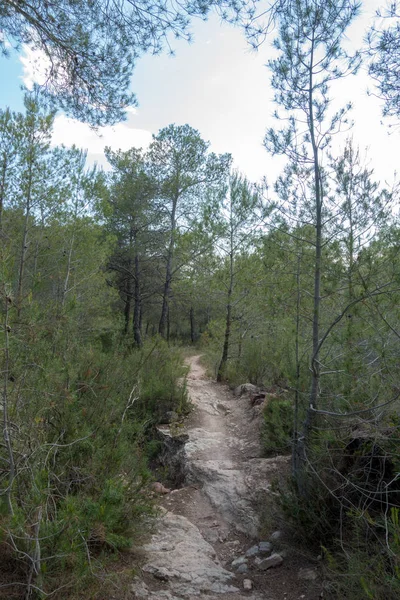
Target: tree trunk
[[141, 317], [168, 274], [2, 192], [137, 334], [168, 325], [304, 441], [6, 423], [191, 316], [128, 301], [225, 350], [24, 244], [315, 367], [240, 341], [68, 273], [349, 349], [228, 322], [167, 290], [295, 451]]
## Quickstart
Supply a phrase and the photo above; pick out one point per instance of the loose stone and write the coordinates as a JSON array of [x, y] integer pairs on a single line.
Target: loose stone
[[239, 561], [276, 536], [268, 563], [253, 551], [242, 568], [265, 547], [247, 584]]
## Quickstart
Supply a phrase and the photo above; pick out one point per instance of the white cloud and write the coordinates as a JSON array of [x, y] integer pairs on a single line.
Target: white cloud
[[35, 66], [121, 136], [224, 91], [70, 131]]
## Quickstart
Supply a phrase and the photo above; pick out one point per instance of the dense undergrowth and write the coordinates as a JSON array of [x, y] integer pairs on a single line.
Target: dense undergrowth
[[345, 507], [82, 434]]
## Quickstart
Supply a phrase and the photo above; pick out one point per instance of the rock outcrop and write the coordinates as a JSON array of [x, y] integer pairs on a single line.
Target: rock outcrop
[[179, 555]]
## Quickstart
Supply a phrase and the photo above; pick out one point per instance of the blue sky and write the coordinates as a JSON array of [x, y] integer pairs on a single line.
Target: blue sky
[[220, 87], [11, 72]]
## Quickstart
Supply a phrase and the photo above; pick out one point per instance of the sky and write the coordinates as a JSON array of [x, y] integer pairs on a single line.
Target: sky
[[220, 87]]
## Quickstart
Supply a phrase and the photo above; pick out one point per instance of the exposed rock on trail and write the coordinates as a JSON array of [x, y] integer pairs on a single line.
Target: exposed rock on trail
[[206, 543], [180, 555], [223, 450]]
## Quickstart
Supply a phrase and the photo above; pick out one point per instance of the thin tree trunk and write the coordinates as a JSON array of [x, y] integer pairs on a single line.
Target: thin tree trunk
[[168, 325], [68, 273], [225, 350], [141, 317], [228, 323], [304, 441], [6, 424], [24, 244], [191, 316], [2, 192], [35, 573], [241, 338], [137, 309], [168, 274], [128, 301], [295, 453], [315, 367], [128, 285], [166, 293], [349, 325]]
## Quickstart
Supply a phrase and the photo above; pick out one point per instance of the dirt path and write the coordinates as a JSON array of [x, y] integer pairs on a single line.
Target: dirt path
[[214, 519]]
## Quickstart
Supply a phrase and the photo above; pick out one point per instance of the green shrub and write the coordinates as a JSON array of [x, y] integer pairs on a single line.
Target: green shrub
[[345, 499], [83, 414], [277, 426], [367, 563], [162, 380]]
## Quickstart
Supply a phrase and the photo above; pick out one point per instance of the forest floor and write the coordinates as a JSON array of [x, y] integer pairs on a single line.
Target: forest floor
[[215, 518]]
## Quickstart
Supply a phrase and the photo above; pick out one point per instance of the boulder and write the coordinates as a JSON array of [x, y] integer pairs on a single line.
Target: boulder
[[247, 584]]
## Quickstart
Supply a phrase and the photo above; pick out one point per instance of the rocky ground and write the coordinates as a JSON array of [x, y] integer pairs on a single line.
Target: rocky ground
[[207, 542]]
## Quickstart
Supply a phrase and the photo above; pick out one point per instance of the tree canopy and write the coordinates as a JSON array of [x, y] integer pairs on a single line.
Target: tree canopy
[[91, 46]]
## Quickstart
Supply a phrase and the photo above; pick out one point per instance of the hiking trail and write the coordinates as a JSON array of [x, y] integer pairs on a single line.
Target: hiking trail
[[207, 543]]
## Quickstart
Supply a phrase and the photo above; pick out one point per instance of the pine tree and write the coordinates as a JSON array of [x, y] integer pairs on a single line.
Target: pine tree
[[310, 58]]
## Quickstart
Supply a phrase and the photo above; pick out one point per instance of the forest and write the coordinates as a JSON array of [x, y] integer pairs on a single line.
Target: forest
[[108, 276]]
